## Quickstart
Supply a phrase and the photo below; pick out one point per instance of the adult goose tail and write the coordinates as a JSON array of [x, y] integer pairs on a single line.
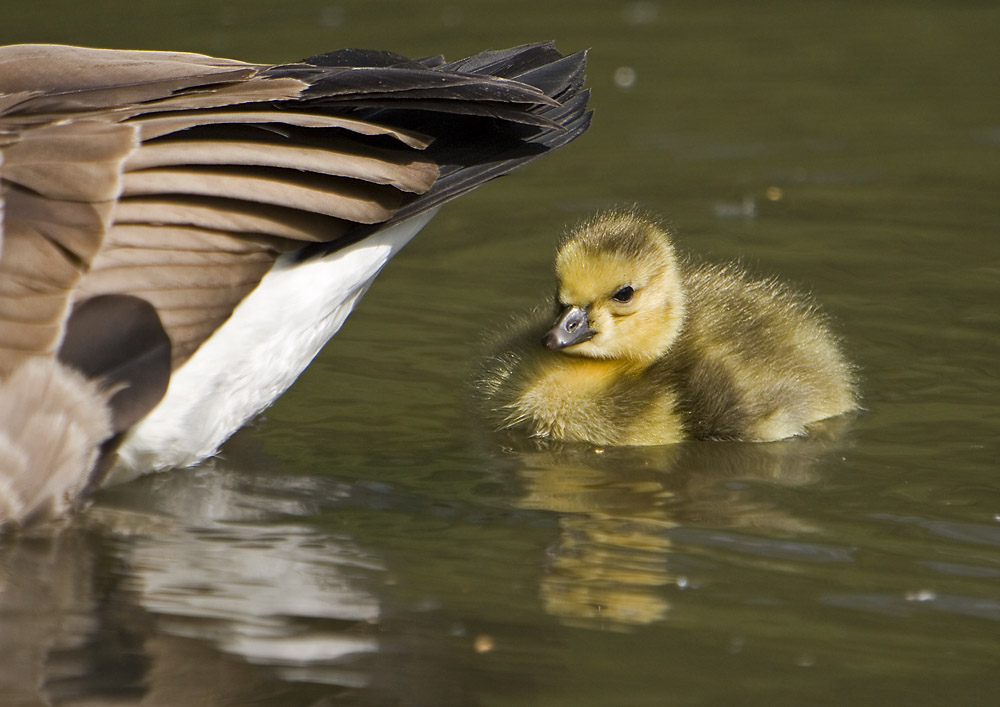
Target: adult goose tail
[[177, 180]]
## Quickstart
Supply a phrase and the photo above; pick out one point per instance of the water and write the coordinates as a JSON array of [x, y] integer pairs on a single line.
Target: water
[[366, 542]]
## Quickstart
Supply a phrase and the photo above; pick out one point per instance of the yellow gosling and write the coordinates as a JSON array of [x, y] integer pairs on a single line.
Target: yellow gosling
[[647, 348]]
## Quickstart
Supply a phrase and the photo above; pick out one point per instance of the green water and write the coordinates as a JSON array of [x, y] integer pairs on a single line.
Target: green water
[[366, 542]]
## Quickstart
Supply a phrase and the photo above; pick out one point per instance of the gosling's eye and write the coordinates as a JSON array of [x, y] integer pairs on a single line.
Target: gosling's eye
[[623, 295]]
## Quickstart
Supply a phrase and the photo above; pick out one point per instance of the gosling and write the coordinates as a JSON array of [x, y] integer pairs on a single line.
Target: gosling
[[648, 348]]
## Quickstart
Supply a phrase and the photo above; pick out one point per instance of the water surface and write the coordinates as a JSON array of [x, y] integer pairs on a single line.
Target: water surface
[[367, 542]]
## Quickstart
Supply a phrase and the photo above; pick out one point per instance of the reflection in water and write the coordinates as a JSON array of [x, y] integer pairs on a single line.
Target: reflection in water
[[203, 586], [247, 585], [617, 507], [183, 603], [46, 614], [208, 586]]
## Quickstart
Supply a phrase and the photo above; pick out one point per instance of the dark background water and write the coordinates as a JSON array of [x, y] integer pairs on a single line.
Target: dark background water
[[366, 542]]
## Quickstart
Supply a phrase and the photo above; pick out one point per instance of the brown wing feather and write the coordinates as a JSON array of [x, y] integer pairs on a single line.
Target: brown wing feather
[[404, 172], [279, 226], [194, 283], [55, 218], [156, 125], [351, 199], [55, 78]]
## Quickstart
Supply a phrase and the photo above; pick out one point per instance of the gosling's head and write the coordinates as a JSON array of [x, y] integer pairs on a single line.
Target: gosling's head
[[620, 293]]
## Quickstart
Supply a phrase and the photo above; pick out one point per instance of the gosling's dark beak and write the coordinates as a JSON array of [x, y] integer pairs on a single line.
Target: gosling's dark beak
[[571, 328]]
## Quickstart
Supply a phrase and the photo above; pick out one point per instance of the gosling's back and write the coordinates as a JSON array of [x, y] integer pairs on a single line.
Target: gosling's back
[[755, 360]]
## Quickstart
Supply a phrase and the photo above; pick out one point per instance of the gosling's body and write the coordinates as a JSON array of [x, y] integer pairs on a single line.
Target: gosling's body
[[694, 352]]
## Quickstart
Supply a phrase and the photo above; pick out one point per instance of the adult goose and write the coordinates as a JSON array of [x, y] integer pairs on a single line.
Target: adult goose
[[181, 234]]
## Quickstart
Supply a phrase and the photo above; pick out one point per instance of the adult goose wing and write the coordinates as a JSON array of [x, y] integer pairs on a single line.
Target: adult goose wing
[[152, 192]]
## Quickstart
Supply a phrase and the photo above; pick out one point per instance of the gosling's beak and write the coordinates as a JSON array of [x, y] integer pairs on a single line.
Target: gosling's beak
[[571, 328]]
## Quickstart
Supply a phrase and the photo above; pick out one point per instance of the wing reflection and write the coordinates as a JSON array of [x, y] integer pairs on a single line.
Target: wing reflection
[[223, 585], [252, 587], [193, 597]]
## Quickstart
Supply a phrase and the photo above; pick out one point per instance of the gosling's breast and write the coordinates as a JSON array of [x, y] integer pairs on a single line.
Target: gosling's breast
[[603, 402]]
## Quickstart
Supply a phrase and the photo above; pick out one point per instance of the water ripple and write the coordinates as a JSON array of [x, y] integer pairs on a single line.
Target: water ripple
[[764, 547], [908, 605], [976, 533]]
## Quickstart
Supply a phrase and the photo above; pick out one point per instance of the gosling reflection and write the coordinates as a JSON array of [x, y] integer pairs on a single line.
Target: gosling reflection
[[611, 565]]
